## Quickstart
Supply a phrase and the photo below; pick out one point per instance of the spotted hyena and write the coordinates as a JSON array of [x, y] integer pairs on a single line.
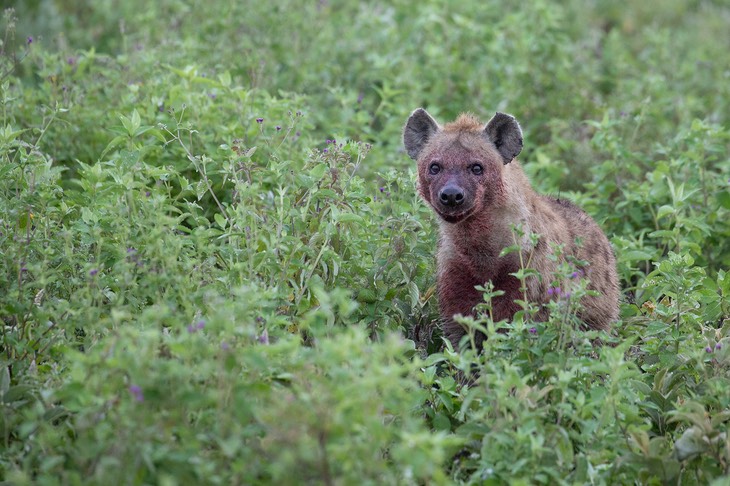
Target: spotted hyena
[[468, 174]]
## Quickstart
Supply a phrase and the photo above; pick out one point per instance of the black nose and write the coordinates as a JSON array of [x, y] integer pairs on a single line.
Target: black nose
[[451, 196]]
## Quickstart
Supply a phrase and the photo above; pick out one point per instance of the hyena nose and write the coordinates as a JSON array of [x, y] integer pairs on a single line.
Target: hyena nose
[[451, 196]]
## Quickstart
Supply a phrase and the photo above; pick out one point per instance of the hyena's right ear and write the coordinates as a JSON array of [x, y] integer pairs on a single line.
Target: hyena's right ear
[[420, 127]]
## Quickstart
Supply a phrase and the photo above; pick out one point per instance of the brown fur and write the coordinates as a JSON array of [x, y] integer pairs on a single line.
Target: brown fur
[[477, 225]]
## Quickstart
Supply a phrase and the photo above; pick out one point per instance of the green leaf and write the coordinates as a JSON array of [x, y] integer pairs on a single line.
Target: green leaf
[[441, 422], [220, 220], [4, 380], [225, 79], [724, 198], [691, 444], [136, 121], [634, 255], [317, 172], [665, 210], [349, 218]]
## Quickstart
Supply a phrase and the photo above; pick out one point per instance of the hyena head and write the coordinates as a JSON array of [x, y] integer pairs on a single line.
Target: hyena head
[[460, 166]]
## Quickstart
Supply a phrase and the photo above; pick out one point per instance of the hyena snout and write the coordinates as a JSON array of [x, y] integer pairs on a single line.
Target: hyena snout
[[451, 196]]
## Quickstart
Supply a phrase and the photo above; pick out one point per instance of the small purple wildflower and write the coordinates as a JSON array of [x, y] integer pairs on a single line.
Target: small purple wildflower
[[212, 96], [264, 337], [259, 120], [550, 291], [137, 392], [566, 295], [324, 151], [71, 61], [708, 349], [148, 193], [576, 274], [278, 128], [360, 97], [260, 319], [382, 189], [30, 39], [533, 330], [93, 272], [200, 325], [225, 346], [191, 329], [718, 346]]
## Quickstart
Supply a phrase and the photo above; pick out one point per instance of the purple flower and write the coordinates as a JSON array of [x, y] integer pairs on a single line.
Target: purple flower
[[137, 392], [566, 295], [382, 189], [191, 329], [93, 272], [325, 151], [200, 324], [259, 120], [278, 128], [708, 349], [718, 346], [360, 97], [148, 193], [550, 291], [533, 330], [225, 346], [264, 337], [71, 61], [30, 39], [576, 274]]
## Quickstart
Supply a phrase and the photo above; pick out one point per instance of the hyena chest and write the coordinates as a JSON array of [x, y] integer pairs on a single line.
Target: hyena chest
[[458, 277]]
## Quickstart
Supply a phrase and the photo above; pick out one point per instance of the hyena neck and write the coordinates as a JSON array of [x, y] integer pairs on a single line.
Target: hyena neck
[[475, 244], [479, 240]]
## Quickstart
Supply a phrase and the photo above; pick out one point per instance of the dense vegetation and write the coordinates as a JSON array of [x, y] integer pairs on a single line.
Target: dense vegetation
[[214, 268]]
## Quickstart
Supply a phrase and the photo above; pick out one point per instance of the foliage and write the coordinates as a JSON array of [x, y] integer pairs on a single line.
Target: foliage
[[214, 267]]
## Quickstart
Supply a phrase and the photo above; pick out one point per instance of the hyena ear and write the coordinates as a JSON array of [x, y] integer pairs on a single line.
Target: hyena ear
[[505, 133], [419, 128]]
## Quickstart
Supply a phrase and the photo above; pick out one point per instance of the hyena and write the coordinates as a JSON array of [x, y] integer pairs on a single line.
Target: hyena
[[468, 174]]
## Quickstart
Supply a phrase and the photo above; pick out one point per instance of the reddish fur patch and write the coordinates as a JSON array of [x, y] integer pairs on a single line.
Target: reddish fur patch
[[465, 122]]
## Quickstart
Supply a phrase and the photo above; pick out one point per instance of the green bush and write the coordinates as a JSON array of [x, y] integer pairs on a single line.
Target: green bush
[[214, 267]]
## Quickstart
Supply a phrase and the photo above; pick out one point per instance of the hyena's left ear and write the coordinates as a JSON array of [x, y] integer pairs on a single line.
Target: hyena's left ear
[[419, 128], [505, 133]]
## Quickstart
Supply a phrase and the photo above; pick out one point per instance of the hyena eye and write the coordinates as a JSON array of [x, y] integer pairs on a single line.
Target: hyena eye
[[477, 169], [434, 168]]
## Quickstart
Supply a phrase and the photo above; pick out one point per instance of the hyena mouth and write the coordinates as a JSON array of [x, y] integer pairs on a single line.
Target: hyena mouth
[[455, 217]]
